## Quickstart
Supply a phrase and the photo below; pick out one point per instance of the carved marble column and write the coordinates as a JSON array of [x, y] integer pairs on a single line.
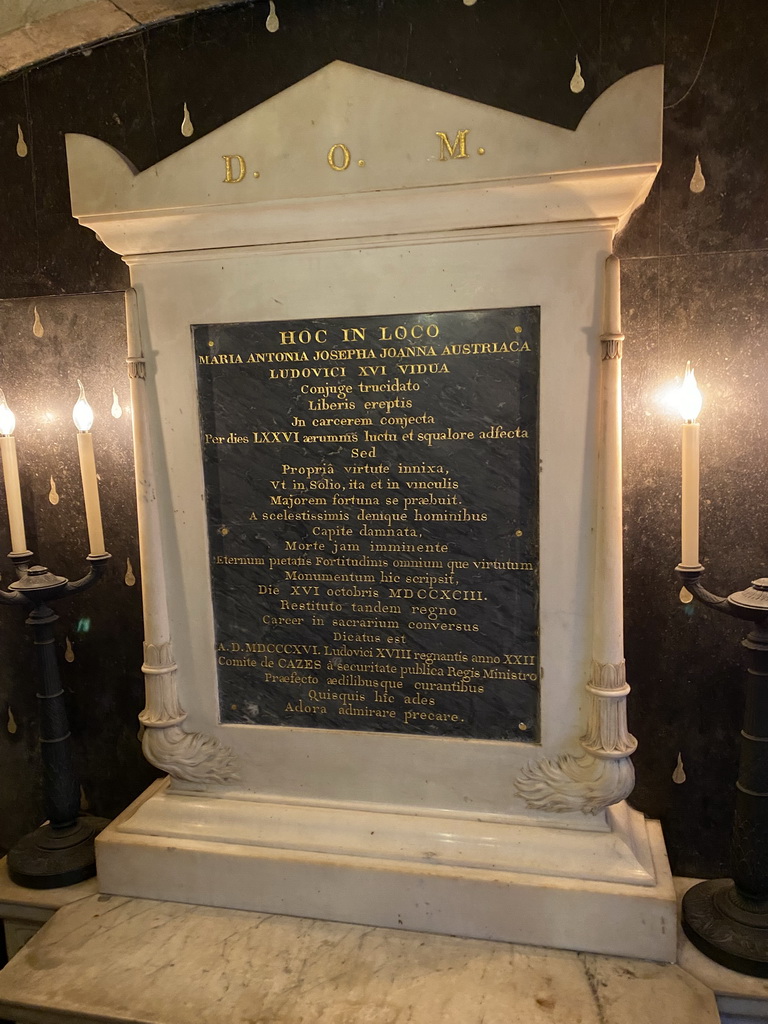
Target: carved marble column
[[188, 757], [603, 774]]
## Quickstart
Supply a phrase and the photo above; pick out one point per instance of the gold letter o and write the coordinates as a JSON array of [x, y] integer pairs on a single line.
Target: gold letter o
[[332, 154]]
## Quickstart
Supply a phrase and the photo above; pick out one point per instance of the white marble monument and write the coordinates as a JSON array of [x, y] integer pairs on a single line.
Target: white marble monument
[[356, 195]]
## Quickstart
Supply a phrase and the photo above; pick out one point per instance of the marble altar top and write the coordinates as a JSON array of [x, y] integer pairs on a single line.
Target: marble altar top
[[111, 958]]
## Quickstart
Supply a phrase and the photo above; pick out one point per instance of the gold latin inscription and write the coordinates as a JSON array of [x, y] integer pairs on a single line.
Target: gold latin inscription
[[455, 150], [364, 570], [333, 161], [339, 157], [229, 177]]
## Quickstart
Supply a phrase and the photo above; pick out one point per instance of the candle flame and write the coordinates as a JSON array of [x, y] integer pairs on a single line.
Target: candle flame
[[7, 419], [688, 398], [82, 413]]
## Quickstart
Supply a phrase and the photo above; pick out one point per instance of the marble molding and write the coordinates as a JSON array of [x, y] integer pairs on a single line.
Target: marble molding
[[419, 832], [566, 888]]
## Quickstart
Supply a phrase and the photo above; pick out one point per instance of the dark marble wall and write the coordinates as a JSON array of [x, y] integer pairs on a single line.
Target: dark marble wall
[[693, 267], [47, 344]]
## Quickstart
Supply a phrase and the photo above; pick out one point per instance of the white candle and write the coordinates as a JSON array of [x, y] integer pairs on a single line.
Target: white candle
[[689, 532], [82, 414], [689, 402], [11, 478]]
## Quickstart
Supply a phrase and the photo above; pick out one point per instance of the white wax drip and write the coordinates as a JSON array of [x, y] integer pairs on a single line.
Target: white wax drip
[[130, 578], [21, 146], [187, 128], [117, 409], [577, 82], [678, 775], [698, 182]]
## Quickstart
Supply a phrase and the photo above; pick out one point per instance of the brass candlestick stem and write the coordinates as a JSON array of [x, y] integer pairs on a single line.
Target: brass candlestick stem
[[61, 851], [727, 918]]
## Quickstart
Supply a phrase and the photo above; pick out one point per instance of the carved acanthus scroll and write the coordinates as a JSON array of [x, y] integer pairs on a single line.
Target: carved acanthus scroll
[[603, 774], [186, 756]]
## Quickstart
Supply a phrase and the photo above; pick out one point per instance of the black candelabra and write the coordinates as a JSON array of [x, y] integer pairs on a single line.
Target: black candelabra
[[61, 851], [727, 918]]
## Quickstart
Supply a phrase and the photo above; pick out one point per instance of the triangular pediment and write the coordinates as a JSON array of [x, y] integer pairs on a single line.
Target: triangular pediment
[[348, 131]]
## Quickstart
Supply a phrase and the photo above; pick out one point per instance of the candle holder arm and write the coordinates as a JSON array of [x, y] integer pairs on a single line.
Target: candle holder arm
[[98, 565], [12, 597], [690, 580]]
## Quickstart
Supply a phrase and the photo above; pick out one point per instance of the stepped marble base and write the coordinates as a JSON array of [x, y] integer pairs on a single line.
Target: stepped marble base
[[606, 891]]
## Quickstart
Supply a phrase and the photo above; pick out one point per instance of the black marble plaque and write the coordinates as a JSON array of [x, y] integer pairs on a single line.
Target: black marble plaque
[[372, 499]]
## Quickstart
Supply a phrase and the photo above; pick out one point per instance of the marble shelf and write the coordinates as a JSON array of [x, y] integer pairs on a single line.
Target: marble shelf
[[23, 911], [111, 958]]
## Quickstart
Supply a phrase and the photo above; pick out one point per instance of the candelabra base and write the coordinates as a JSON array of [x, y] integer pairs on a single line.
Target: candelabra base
[[52, 857], [726, 927]]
